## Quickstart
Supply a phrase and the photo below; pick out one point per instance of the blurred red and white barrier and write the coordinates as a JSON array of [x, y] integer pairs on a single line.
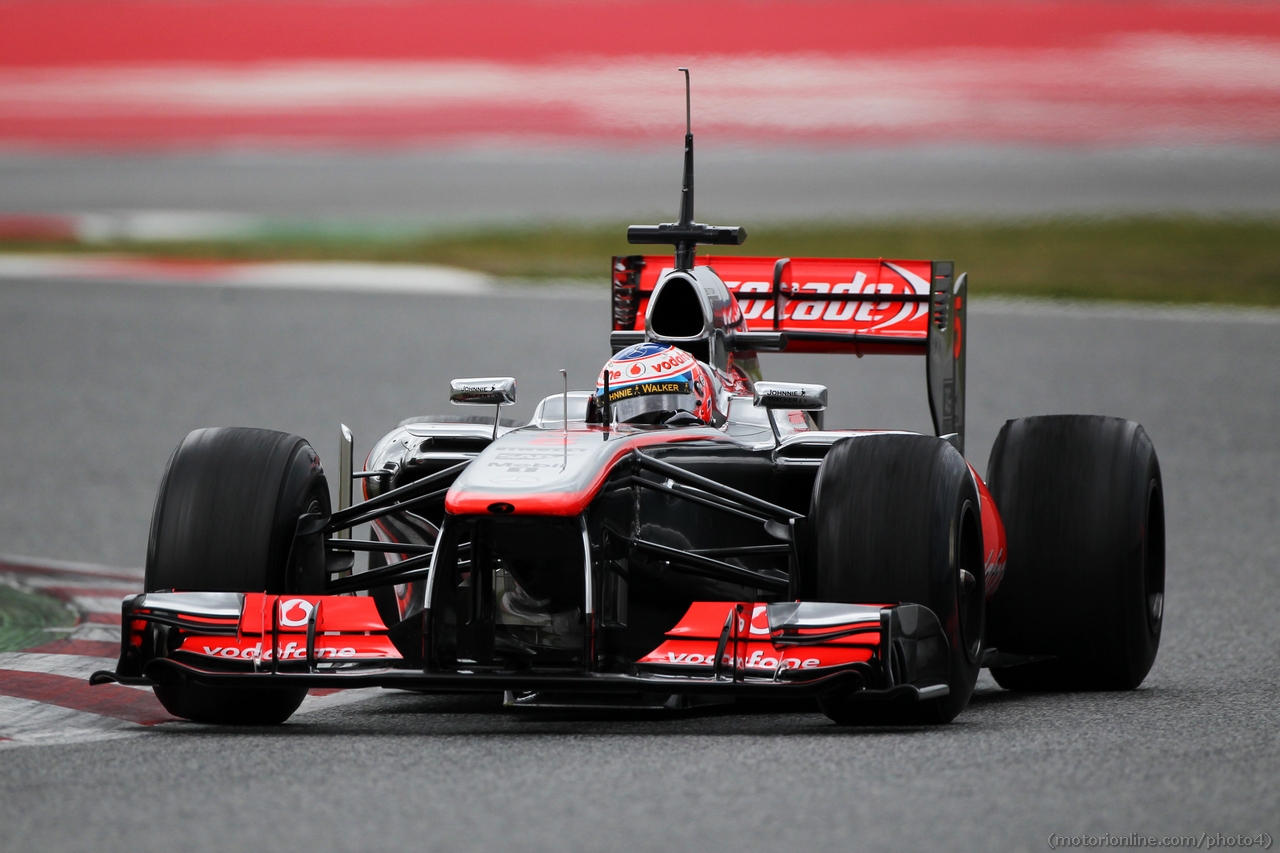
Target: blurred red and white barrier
[[126, 74]]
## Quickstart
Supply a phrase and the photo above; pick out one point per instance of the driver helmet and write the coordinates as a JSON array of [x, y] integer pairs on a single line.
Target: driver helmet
[[653, 383]]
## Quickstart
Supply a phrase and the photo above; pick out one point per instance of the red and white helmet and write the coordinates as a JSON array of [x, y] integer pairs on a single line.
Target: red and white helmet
[[652, 383]]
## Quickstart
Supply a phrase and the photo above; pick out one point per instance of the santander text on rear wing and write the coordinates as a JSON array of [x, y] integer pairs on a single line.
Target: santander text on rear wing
[[861, 306]]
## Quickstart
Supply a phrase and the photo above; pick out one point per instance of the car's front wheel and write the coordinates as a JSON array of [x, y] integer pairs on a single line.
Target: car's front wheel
[[896, 518], [224, 520]]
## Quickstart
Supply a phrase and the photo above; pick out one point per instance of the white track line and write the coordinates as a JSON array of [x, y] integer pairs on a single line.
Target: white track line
[[285, 275], [96, 604], [43, 581], [72, 666], [27, 722], [96, 631]]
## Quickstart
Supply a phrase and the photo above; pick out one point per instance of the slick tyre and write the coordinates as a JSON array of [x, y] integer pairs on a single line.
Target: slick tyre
[[1083, 508], [224, 520], [896, 518]]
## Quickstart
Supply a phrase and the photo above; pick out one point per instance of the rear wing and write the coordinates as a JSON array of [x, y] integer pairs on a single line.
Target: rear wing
[[835, 305]]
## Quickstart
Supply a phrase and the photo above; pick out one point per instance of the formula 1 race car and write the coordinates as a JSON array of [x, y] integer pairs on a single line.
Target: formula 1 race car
[[683, 533]]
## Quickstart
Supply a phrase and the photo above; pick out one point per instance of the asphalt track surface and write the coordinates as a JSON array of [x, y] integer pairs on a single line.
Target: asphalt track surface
[[98, 382], [451, 186]]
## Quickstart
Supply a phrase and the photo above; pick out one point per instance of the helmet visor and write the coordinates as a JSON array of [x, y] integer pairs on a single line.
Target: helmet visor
[[646, 402]]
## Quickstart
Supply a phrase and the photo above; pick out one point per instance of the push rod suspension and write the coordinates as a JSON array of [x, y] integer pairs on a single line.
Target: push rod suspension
[[714, 568], [679, 475], [347, 517], [698, 498], [411, 569], [742, 551], [378, 512], [386, 547]]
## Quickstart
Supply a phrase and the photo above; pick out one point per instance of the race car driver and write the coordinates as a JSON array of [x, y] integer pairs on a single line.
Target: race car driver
[[658, 384]]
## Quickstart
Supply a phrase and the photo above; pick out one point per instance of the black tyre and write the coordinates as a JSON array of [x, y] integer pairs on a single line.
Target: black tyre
[[1083, 508], [896, 518], [224, 520]]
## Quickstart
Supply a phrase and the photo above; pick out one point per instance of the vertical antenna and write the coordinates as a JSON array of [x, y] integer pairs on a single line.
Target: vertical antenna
[[688, 104], [685, 250], [686, 235]]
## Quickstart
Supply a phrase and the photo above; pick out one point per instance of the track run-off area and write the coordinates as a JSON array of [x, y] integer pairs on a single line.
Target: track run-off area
[[100, 379]]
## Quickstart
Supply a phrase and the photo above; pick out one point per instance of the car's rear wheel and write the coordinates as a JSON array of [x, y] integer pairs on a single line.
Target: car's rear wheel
[[224, 520], [1083, 507], [896, 518]]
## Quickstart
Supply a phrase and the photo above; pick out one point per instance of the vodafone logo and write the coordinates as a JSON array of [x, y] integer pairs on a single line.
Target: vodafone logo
[[295, 612], [645, 363], [676, 360], [757, 660], [671, 362], [292, 651], [760, 619]]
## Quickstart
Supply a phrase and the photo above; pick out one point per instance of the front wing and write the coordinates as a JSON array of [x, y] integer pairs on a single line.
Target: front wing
[[718, 649]]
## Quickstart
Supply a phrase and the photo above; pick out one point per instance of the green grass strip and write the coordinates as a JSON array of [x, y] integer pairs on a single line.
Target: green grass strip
[[1153, 259], [25, 615]]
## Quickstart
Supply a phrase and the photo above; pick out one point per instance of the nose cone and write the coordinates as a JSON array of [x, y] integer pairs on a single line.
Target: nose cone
[[552, 471]]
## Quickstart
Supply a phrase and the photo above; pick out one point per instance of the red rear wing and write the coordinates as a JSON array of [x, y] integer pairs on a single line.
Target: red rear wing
[[845, 316], [864, 306]]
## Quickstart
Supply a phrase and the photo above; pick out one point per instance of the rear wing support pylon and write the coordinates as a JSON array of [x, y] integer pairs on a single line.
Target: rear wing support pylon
[[945, 351]]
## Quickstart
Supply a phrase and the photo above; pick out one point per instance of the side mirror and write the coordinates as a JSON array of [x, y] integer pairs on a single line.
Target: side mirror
[[484, 391], [790, 395]]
